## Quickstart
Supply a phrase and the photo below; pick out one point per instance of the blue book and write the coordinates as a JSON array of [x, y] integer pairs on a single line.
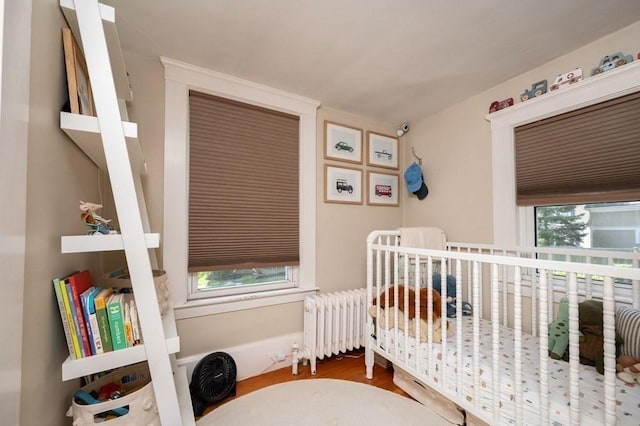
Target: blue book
[[85, 312], [93, 319]]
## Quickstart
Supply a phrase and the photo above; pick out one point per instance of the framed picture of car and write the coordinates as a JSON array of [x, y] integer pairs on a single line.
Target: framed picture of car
[[342, 142], [382, 189], [342, 185], [382, 150]]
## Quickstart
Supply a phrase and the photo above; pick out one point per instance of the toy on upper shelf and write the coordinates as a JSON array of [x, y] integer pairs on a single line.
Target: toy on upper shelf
[[564, 80], [498, 105], [610, 62], [94, 222], [538, 88]]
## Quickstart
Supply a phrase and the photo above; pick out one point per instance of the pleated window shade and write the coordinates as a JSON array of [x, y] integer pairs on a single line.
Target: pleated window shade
[[243, 185], [588, 155]]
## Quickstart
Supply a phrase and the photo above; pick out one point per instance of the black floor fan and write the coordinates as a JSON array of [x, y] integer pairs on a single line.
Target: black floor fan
[[213, 379]]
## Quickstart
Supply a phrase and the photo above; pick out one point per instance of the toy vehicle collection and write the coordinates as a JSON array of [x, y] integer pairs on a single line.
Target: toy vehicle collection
[[566, 79], [538, 88], [498, 105], [610, 62]]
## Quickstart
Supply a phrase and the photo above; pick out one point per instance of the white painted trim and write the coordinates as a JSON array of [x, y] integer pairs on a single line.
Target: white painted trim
[[15, 65], [251, 359], [510, 224], [179, 79]]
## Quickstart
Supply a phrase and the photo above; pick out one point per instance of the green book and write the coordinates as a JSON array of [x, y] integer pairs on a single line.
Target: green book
[[100, 302], [115, 312]]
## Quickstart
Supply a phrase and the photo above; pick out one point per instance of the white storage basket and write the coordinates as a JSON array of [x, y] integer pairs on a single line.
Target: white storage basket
[[138, 396]]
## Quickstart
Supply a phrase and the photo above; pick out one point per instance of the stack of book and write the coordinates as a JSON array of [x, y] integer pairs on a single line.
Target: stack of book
[[95, 319]]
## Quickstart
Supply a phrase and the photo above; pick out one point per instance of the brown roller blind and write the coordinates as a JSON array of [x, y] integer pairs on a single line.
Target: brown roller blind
[[243, 185], [588, 155]]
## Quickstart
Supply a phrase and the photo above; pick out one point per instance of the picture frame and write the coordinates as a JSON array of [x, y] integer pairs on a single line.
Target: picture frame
[[342, 185], [79, 86], [382, 150], [342, 142], [382, 189]]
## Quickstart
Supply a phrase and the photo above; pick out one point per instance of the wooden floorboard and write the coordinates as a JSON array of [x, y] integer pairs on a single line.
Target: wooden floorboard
[[346, 367]]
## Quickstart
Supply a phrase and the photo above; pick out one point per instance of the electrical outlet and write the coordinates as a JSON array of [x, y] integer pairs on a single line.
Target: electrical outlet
[[277, 356]]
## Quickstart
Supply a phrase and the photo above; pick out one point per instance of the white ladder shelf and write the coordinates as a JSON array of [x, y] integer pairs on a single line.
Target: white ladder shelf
[[112, 145]]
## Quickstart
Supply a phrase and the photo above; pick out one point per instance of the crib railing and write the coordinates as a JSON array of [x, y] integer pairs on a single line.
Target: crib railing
[[507, 280]]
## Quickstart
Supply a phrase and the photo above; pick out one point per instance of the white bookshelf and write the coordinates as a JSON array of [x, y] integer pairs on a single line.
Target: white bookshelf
[[112, 144], [74, 368], [99, 243]]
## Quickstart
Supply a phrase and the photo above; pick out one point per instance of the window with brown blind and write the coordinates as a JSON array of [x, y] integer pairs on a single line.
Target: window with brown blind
[[584, 156], [243, 186]]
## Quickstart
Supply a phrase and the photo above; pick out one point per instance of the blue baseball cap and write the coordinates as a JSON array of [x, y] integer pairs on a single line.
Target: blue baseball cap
[[415, 181]]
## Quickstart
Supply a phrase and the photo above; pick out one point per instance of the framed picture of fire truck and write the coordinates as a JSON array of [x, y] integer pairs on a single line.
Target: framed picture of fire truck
[[382, 189], [342, 185]]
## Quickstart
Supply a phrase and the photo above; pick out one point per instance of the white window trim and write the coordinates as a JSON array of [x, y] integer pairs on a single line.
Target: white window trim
[[513, 225], [179, 79]]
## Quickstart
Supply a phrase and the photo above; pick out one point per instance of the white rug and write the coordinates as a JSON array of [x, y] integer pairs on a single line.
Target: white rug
[[321, 402]]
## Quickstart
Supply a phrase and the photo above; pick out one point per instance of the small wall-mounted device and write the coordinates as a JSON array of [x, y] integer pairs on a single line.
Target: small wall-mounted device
[[404, 128]]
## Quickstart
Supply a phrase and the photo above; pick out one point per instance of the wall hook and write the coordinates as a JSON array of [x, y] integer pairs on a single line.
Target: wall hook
[[413, 151]]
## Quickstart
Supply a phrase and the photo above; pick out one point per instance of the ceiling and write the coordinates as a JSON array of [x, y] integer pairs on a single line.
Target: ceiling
[[391, 60]]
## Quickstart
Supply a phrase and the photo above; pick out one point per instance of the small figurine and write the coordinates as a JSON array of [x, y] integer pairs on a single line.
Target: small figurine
[[498, 105], [94, 222], [538, 88], [564, 80]]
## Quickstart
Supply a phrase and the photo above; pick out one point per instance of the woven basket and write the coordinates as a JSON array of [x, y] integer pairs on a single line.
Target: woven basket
[[121, 278]]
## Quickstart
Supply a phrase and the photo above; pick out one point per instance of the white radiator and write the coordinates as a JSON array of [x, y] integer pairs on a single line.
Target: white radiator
[[333, 323]]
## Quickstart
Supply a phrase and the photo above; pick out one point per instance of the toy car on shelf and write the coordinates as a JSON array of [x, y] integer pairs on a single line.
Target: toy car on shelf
[[538, 88], [564, 80], [610, 62], [498, 105]]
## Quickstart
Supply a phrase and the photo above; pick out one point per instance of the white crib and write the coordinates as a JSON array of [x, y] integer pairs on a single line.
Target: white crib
[[495, 367]]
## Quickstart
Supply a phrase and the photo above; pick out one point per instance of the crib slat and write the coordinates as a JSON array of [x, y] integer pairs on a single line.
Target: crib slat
[[544, 347], [574, 349], [476, 335], [609, 333], [517, 341], [495, 339]]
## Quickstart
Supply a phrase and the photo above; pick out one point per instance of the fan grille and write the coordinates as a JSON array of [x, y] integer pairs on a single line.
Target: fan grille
[[214, 377]]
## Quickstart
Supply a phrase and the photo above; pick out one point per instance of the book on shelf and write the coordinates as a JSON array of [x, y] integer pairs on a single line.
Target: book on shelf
[[79, 283], [69, 314], [100, 302], [115, 311], [63, 316], [74, 316], [89, 310]]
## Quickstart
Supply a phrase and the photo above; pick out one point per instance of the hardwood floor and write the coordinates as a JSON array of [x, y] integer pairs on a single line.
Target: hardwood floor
[[346, 367]]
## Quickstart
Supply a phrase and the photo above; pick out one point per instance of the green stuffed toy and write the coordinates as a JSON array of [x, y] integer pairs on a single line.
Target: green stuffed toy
[[559, 331]]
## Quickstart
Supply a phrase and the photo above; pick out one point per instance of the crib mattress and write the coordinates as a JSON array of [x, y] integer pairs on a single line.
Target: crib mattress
[[591, 386]]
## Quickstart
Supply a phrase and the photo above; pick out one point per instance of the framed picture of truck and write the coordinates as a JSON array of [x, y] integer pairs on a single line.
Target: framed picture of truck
[[382, 189], [382, 150], [342, 142], [342, 185]]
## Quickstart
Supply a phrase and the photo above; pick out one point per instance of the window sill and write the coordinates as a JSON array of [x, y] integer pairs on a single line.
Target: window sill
[[219, 305]]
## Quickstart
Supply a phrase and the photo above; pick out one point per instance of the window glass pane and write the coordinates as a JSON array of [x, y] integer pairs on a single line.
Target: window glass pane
[[603, 226], [253, 277]]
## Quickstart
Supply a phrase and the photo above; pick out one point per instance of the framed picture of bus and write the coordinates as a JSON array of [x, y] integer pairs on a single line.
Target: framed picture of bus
[[342, 185], [382, 189]]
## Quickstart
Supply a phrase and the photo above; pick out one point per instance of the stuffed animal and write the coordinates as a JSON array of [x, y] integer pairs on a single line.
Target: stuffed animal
[[437, 309], [388, 314], [592, 345], [451, 295], [559, 331], [628, 369]]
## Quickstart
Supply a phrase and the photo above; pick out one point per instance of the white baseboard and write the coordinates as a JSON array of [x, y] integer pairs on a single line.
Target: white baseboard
[[251, 359]]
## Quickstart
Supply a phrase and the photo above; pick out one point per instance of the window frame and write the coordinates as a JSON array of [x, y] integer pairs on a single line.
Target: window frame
[[179, 79], [513, 225]]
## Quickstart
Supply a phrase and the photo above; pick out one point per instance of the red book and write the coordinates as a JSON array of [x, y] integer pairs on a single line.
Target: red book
[[79, 282]]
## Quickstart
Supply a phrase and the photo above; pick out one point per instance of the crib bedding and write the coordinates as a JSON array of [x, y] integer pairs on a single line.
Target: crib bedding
[[591, 401]]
